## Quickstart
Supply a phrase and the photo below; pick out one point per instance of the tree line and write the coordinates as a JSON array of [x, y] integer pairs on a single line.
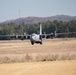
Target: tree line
[[47, 27]]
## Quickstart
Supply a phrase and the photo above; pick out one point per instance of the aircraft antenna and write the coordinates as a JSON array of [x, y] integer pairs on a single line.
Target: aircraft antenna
[[19, 14]]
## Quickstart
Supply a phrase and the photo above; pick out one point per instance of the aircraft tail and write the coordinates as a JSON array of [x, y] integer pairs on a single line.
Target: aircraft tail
[[40, 29], [55, 34], [41, 33]]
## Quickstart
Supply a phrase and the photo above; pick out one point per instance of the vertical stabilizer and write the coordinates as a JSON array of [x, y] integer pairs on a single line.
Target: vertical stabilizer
[[40, 29], [55, 34]]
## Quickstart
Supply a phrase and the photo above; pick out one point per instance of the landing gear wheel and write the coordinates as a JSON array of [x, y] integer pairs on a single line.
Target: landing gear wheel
[[41, 43], [32, 42]]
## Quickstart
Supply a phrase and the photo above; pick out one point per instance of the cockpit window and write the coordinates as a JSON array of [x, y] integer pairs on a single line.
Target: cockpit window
[[33, 34]]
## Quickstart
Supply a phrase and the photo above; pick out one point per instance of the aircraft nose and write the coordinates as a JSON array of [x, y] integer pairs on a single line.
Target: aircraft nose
[[32, 37]]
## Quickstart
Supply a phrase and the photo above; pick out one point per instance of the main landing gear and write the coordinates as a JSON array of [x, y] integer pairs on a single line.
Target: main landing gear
[[32, 42]]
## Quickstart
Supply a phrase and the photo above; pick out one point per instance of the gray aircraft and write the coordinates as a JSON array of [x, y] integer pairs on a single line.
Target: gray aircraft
[[36, 38]]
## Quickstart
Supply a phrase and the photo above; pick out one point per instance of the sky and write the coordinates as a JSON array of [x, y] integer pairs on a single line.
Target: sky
[[13, 9]]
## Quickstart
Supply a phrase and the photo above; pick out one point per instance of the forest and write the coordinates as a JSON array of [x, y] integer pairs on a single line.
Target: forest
[[47, 27]]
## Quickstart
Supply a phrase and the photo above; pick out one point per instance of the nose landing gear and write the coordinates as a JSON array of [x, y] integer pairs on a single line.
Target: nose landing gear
[[32, 42]]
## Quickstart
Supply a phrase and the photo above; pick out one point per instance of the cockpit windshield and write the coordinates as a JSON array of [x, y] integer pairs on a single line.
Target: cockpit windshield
[[33, 34]]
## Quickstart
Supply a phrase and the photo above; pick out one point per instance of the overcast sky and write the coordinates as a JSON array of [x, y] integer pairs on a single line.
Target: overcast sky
[[9, 9]]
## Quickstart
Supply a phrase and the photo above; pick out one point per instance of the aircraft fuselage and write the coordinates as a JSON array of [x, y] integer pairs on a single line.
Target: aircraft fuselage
[[35, 38]]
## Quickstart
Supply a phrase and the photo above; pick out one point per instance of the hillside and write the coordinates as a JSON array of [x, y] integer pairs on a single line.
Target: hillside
[[32, 20]]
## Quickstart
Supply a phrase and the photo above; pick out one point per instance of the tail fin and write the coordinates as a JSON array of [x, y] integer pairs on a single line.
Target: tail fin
[[40, 29], [55, 33]]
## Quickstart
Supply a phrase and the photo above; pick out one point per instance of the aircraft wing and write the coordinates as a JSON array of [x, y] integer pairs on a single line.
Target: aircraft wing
[[67, 34], [48, 35], [22, 37], [52, 35]]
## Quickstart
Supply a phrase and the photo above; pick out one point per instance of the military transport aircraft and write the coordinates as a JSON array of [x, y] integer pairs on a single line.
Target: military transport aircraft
[[35, 38]]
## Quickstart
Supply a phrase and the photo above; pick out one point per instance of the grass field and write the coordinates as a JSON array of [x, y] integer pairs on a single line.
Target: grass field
[[39, 68], [49, 46], [52, 49], [51, 52]]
